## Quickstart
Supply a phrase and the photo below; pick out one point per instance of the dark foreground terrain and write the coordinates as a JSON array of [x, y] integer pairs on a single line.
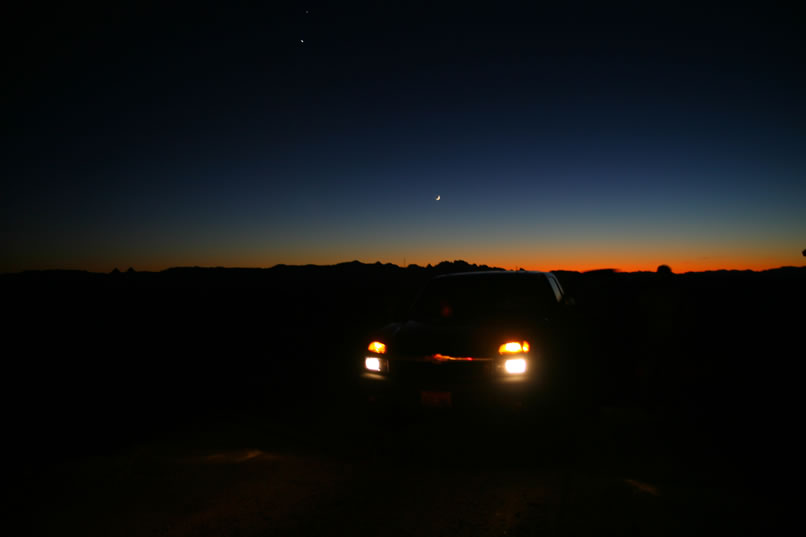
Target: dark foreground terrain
[[223, 402]]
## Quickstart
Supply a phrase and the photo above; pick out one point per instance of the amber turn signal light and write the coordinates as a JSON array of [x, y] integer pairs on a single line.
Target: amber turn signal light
[[514, 347]]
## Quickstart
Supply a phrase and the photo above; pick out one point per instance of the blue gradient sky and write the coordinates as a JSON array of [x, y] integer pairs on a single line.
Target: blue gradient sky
[[580, 139]]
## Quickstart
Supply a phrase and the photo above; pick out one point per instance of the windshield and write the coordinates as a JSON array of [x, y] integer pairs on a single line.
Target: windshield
[[474, 298]]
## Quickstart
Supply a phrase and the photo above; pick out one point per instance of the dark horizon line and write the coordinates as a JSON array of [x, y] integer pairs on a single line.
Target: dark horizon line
[[412, 266]]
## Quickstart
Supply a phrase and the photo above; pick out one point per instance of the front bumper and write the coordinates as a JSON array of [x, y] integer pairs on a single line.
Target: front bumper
[[491, 391]]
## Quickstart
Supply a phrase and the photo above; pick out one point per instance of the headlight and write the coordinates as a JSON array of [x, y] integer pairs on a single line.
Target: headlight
[[372, 363], [515, 366], [377, 346], [514, 347]]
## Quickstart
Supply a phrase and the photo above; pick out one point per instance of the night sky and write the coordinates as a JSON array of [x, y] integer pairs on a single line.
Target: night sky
[[571, 137]]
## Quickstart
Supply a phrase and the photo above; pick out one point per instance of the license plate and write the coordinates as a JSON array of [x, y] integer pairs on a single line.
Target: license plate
[[436, 399]]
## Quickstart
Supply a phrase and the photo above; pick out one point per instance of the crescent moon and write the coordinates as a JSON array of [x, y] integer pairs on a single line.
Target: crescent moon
[[437, 197]]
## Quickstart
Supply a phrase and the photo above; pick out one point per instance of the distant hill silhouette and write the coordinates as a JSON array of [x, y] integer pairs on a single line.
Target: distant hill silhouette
[[664, 269]]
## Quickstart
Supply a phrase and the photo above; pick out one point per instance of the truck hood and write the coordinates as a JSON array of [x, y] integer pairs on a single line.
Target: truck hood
[[418, 339]]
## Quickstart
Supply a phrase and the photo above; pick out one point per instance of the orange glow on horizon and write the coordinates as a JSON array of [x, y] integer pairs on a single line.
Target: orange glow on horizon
[[623, 259], [678, 267]]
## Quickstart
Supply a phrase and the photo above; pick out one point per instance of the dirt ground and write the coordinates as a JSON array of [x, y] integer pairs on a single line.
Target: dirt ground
[[164, 404], [334, 470]]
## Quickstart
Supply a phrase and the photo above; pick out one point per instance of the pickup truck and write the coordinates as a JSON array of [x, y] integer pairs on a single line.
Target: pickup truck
[[473, 340]]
